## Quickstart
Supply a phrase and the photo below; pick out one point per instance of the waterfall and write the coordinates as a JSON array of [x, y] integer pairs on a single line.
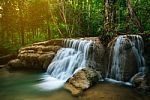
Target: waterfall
[[126, 45], [70, 59]]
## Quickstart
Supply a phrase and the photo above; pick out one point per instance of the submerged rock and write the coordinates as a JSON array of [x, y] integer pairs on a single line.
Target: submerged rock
[[140, 81], [81, 81], [137, 79]]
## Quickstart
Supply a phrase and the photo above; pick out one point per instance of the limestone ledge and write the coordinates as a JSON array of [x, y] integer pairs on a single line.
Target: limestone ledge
[[36, 56]]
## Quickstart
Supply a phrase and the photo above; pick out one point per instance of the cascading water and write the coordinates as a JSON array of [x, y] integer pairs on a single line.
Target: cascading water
[[126, 60], [70, 59], [67, 61], [124, 46]]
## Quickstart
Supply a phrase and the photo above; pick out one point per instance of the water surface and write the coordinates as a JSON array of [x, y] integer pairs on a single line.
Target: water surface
[[20, 85]]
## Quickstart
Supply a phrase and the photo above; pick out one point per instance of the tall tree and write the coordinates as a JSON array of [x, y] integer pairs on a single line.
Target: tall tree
[[21, 8], [113, 16], [134, 17], [107, 16]]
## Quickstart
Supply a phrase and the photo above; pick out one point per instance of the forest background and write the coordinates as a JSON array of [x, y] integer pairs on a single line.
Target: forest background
[[24, 22]]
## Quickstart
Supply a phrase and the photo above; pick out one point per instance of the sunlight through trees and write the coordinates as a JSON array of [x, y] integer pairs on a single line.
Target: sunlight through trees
[[26, 21]]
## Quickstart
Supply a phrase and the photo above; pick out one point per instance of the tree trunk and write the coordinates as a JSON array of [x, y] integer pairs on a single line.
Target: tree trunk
[[107, 16], [48, 30], [113, 17], [21, 27], [22, 35], [21, 15], [133, 17]]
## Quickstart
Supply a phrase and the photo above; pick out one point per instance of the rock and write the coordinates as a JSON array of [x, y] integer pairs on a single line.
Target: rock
[[46, 59], [147, 76], [139, 81], [131, 65], [81, 81], [74, 90], [146, 51], [5, 59], [54, 42], [16, 63], [126, 58], [38, 55], [2, 66], [98, 56], [39, 48]]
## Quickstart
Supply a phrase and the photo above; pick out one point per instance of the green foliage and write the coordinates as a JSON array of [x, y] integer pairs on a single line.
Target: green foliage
[[27, 21], [142, 9], [11, 47]]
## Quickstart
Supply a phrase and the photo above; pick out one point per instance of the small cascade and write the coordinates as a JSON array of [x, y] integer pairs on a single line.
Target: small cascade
[[70, 59], [123, 52]]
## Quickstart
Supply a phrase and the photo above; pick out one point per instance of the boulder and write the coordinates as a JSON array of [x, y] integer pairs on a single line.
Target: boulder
[[98, 57], [147, 76], [81, 81], [16, 63], [38, 55], [139, 81], [127, 59], [131, 64], [146, 51], [3, 66], [5, 59], [46, 59]]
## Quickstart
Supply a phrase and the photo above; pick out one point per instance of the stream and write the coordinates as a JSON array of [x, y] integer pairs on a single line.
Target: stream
[[21, 85]]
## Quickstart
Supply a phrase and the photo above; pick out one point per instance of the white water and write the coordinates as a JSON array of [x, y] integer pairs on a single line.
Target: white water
[[118, 82], [76, 56], [134, 42], [49, 83], [67, 61], [70, 59]]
